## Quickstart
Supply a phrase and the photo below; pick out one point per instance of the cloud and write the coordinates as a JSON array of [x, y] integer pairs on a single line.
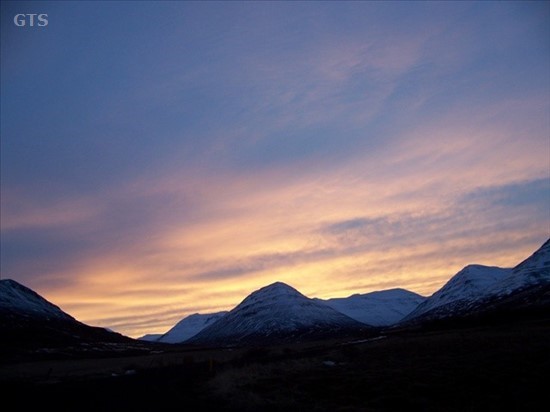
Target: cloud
[[265, 263], [335, 228], [530, 194], [353, 224], [340, 147]]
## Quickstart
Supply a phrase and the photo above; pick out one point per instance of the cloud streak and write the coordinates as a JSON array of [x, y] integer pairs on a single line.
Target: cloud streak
[[342, 148]]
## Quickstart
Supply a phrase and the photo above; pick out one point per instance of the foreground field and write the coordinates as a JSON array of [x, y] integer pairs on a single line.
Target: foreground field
[[477, 368]]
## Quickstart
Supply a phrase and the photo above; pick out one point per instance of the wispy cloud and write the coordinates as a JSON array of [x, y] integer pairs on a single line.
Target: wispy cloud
[[340, 147], [243, 242]]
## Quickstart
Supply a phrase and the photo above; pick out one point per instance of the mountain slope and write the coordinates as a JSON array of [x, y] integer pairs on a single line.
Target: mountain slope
[[28, 322], [189, 327], [276, 312], [18, 299], [533, 271], [526, 289], [382, 308], [465, 288], [480, 289]]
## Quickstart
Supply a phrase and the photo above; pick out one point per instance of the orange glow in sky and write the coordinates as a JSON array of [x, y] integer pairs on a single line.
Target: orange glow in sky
[[175, 163]]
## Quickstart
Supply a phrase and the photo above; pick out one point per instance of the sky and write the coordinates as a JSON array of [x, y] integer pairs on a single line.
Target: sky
[[162, 159]]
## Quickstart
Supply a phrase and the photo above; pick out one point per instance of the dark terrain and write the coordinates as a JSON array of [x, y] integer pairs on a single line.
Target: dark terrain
[[488, 364]]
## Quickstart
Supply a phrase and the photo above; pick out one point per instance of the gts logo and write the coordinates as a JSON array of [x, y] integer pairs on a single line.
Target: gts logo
[[22, 20]]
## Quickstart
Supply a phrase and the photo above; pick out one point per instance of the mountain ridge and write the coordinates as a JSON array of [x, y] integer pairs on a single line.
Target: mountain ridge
[[276, 312], [488, 291]]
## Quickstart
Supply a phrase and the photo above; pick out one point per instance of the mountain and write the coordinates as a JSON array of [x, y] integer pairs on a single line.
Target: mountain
[[533, 271], [382, 308], [476, 290], [526, 289], [465, 288], [276, 313], [17, 299], [31, 324], [189, 327]]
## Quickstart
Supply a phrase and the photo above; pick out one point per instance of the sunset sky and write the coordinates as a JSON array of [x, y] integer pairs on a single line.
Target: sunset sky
[[162, 159]]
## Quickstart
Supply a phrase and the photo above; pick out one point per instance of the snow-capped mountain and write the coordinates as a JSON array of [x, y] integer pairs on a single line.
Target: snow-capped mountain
[[382, 308], [28, 321], [189, 327], [16, 298], [466, 287], [535, 270], [274, 313], [476, 288]]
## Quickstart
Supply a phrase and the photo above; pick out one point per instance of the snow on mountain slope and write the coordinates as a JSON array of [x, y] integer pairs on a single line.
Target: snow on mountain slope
[[382, 308], [19, 299], [466, 287], [275, 312], [29, 323], [189, 327], [150, 337], [535, 270]]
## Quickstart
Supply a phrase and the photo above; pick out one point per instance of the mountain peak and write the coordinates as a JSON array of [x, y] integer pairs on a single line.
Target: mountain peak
[[279, 288], [12, 284], [275, 292], [477, 277], [473, 266]]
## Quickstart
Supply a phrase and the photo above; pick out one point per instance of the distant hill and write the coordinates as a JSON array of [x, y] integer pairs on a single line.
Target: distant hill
[[383, 308], [189, 327]]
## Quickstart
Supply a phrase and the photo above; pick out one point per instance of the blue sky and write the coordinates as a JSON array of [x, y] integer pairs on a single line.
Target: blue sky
[[159, 154]]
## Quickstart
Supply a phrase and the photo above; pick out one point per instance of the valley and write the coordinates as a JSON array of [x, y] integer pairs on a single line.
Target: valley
[[489, 365], [479, 343]]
